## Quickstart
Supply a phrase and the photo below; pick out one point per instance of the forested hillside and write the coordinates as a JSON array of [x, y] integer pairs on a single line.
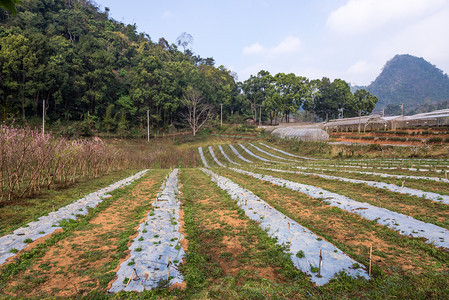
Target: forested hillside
[[99, 74], [89, 67], [409, 80]]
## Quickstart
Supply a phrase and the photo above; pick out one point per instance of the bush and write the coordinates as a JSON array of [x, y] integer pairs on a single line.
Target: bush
[[30, 160], [435, 140]]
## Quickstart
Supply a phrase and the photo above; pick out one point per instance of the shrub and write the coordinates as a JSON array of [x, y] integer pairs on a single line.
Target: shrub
[[435, 140], [30, 160]]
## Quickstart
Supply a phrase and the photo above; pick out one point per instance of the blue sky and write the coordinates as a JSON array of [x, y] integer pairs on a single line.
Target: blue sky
[[347, 39]]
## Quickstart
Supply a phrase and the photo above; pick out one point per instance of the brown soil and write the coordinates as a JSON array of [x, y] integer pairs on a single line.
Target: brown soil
[[378, 142], [377, 197], [75, 264], [349, 231], [228, 250]]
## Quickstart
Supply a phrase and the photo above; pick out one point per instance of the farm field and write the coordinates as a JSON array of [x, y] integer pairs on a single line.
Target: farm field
[[220, 217]]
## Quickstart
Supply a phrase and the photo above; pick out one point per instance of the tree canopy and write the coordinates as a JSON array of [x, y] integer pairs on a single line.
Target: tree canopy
[[87, 66]]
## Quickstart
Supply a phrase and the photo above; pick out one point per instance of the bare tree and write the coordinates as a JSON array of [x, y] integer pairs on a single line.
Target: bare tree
[[184, 40], [198, 110]]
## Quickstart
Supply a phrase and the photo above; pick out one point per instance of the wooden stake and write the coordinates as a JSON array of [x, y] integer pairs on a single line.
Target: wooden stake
[[169, 264], [446, 174], [132, 274], [370, 259], [265, 212], [403, 183], [319, 265], [289, 235]]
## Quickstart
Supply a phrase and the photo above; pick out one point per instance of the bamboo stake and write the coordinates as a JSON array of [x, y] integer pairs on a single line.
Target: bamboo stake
[[403, 183], [169, 264], [132, 274], [370, 259], [289, 235], [319, 265]]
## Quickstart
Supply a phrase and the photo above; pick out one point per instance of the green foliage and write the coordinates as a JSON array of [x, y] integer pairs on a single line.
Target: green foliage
[[84, 63], [10, 5]]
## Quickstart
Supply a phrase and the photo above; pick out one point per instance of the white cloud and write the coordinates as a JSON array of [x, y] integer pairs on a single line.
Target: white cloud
[[289, 44], [253, 49], [364, 16], [167, 14], [358, 67]]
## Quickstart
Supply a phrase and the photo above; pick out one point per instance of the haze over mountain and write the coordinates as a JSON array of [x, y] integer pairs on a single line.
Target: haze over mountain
[[410, 80]]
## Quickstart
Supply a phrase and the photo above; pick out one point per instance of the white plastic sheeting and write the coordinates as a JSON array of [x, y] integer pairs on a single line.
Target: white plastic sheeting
[[227, 157], [252, 154], [285, 229], [270, 154], [214, 157], [391, 168], [380, 174], [48, 224], [301, 133], [381, 185], [238, 154], [286, 153], [200, 150], [405, 225], [155, 253]]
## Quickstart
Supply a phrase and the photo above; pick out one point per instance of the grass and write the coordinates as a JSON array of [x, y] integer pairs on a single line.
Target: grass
[[88, 253], [229, 256], [431, 211], [347, 231], [26, 210], [214, 223]]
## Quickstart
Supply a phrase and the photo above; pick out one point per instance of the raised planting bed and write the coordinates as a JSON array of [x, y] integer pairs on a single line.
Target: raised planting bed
[[11, 244], [310, 253], [156, 252]]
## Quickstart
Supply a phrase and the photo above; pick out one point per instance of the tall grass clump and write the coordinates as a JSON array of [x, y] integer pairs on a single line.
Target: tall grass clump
[[30, 161]]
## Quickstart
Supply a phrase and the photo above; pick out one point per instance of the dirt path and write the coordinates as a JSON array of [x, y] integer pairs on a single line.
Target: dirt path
[[86, 259]]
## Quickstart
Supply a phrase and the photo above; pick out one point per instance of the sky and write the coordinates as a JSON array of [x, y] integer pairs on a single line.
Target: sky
[[347, 39]]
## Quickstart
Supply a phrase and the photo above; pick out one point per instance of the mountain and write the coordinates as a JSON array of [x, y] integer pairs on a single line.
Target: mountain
[[409, 80]]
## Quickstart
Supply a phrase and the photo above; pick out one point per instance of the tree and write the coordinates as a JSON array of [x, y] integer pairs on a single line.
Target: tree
[[362, 104], [198, 110], [17, 62], [292, 90], [254, 88], [184, 40], [332, 97], [9, 5], [312, 94]]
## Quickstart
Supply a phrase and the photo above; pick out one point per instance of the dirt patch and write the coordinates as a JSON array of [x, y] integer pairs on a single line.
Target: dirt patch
[[348, 230], [224, 234], [77, 263]]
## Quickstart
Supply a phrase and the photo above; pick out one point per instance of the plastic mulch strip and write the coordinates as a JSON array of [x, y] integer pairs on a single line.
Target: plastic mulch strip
[[156, 252], [200, 150], [380, 185], [286, 153], [238, 154], [227, 157], [403, 224], [12, 243], [213, 156], [304, 246]]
